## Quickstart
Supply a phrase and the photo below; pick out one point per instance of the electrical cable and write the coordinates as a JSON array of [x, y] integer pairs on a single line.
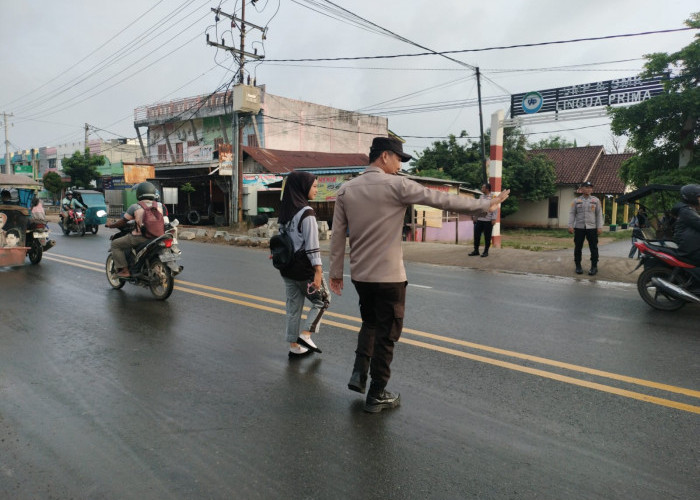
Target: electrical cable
[[52, 80], [484, 49], [129, 48]]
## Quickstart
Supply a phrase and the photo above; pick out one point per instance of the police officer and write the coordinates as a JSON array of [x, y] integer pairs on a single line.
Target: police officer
[[586, 223]]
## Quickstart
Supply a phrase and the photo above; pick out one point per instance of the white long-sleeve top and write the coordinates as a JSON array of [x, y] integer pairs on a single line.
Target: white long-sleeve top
[[307, 238]]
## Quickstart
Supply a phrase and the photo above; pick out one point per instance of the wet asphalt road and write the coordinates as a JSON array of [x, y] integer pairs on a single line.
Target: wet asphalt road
[[512, 387]]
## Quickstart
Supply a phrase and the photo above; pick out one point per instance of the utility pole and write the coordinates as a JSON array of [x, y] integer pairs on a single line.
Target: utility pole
[[484, 175], [87, 131], [236, 171], [8, 165]]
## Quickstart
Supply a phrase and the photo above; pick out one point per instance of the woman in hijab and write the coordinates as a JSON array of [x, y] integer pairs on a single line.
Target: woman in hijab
[[298, 219]]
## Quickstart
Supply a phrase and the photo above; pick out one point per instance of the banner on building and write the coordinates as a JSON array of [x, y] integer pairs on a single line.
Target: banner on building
[[588, 95], [261, 181], [133, 174], [328, 186], [225, 159]]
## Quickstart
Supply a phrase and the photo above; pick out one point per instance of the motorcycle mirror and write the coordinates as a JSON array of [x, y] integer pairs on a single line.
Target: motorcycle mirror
[[101, 213]]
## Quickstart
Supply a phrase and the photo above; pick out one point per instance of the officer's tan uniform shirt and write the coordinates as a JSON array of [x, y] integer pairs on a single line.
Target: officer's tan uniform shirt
[[372, 208], [586, 213]]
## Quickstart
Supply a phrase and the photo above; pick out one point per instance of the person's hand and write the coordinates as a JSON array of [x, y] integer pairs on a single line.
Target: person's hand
[[600, 230], [571, 230], [337, 286], [497, 200]]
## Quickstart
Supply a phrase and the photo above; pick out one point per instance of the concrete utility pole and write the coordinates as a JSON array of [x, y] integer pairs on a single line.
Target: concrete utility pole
[[8, 165], [87, 131], [236, 171]]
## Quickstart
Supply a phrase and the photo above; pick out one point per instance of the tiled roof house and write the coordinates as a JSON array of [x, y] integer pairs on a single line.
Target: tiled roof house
[[572, 166]]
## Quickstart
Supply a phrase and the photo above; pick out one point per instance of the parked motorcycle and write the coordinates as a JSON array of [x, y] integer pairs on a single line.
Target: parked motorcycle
[[667, 282], [153, 264], [75, 222], [37, 240]]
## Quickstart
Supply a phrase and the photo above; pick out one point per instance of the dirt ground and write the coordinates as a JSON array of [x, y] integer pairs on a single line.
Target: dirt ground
[[614, 265]]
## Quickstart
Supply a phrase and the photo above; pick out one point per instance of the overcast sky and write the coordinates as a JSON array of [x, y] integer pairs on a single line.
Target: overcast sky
[[73, 62]]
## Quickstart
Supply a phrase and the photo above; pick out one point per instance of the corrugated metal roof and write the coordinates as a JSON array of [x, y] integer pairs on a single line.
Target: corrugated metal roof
[[335, 170], [278, 161]]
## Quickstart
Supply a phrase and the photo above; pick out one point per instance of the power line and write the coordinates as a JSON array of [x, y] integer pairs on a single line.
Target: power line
[[40, 101], [484, 49], [51, 80]]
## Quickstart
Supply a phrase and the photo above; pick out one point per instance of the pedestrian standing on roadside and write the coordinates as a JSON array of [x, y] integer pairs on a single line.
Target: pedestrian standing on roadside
[[304, 281], [483, 224], [372, 208], [637, 223], [586, 223]]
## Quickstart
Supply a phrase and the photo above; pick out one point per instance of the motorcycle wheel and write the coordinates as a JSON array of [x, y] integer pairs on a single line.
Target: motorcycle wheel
[[652, 295], [81, 229], [162, 281], [112, 277], [93, 229], [65, 230], [35, 252]]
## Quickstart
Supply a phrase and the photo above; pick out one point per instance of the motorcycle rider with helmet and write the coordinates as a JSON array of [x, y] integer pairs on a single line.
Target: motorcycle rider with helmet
[[69, 203], [687, 227], [145, 192]]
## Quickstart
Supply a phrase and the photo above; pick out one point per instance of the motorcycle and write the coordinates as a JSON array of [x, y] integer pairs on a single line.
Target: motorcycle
[[152, 264], [75, 223], [667, 282], [37, 240]]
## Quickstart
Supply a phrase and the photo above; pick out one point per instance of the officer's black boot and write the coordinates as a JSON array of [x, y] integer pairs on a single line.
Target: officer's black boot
[[358, 379], [579, 269], [594, 269]]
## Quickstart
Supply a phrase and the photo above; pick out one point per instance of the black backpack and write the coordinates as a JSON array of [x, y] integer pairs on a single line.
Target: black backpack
[[291, 264]]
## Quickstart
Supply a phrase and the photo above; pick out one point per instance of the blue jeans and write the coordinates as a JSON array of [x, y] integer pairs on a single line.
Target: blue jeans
[[297, 292]]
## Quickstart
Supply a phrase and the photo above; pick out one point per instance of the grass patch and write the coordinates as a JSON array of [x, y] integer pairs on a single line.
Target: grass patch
[[538, 240]]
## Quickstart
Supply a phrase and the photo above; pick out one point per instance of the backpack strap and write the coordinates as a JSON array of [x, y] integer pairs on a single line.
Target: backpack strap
[[307, 212]]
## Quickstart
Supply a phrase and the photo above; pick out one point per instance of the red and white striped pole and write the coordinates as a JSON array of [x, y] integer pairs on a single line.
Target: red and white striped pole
[[496, 169]]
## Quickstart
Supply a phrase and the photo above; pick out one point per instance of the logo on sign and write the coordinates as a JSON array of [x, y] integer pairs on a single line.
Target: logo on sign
[[532, 102]]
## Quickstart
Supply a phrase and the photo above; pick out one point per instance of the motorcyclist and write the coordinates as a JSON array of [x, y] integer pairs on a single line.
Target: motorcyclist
[[145, 192], [7, 198], [69, 203], [687, 227]]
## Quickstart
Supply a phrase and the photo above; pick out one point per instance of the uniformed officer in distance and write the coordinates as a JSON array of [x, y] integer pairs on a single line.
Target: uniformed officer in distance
[[586, 223]]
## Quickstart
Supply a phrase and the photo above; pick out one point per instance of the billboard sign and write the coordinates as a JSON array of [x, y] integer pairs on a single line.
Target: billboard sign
[[588, 95], [225, 159]]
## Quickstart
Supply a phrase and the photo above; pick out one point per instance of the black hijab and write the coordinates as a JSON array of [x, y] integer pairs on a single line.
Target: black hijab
[[295, 194]]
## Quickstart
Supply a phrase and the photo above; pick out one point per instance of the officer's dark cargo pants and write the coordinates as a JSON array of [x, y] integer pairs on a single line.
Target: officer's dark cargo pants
[[382, 309], [586, 234]]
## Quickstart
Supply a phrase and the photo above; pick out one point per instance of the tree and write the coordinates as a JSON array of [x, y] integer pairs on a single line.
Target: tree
[[82, 168], [529, 177], [450, 160], [189, 189], [553, 142], [53, 184], [665, 130]]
